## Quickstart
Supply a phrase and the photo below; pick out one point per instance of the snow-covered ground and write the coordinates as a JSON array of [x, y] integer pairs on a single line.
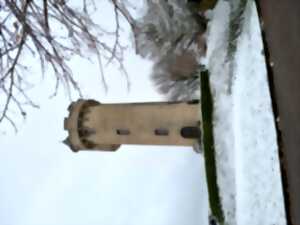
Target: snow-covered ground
[[245, 137]]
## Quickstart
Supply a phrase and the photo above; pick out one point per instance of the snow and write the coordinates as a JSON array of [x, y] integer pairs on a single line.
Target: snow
[[257, 163], [223, 115], [245, 136]]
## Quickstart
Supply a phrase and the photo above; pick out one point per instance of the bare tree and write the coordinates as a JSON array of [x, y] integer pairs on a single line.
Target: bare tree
[[27, 27]]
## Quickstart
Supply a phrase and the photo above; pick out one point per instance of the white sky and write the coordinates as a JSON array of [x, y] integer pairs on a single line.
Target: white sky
[[43, 182]]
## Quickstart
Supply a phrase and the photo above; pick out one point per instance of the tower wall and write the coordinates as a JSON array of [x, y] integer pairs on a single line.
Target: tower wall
[[106, 126]]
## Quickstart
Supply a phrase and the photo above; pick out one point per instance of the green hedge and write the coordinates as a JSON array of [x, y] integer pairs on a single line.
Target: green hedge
[[209, 150]]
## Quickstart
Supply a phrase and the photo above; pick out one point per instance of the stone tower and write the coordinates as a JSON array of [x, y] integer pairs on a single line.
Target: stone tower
[[95, 126]]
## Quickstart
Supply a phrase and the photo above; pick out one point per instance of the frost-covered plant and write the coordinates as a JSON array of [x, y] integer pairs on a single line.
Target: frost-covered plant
[[167, 26], [172, 36], [176, 75]]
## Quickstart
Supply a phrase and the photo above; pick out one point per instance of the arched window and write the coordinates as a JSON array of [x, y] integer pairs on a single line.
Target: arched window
[[123, 132], [161, 132]]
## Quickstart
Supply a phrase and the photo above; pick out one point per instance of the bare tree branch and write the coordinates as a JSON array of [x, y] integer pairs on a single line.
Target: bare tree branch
[[26, 28]]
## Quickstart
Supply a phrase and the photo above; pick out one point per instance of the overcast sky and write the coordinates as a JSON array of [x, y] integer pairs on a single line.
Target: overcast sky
[[43, 182]]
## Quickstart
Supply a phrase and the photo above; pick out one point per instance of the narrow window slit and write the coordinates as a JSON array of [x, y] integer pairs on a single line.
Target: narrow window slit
[[161, 132], [123, 132]]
